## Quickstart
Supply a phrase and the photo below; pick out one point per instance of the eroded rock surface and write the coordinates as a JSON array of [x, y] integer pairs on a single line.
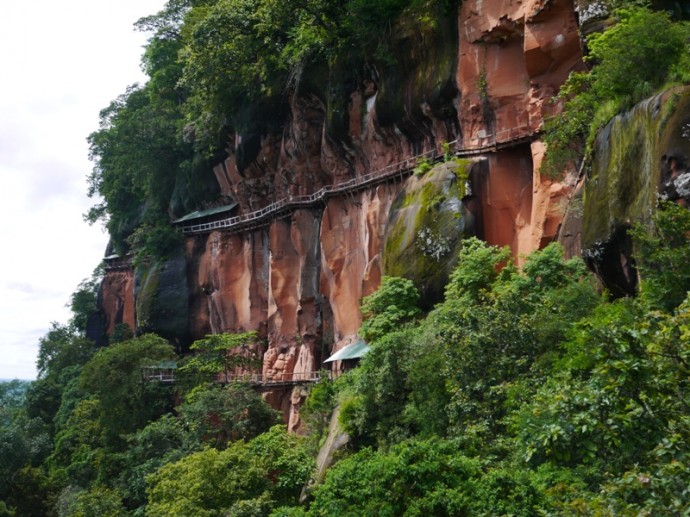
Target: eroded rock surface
[[640, 157], [484, 78], [116, 298], [513, 58]]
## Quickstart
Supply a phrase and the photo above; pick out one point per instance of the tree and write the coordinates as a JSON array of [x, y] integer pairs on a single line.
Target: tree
[[127, 400], [478, 268], [244, 478], [662, 253], [60, 349], [392, 304], [376, 414], [221, 354], [206, 483], [163, 441], [220, 414], [633, 57], [643, 45], [423, 477], [84, 303], [24, 443], [96, 502], [287, 463]]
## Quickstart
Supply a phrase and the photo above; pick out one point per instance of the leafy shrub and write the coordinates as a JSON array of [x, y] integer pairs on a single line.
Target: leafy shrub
[[393, 303], [631, 59]]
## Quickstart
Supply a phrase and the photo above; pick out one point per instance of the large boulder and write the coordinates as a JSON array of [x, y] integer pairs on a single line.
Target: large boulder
[[425, 228]]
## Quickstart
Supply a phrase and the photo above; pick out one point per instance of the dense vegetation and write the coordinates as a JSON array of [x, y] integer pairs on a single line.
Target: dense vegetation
[[642, 51], [526, 392], [219, 68]]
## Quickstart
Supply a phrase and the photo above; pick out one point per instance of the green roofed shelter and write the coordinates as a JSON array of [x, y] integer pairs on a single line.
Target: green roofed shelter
[[163, 371], [164, 365], [198, 214], [352, 351]]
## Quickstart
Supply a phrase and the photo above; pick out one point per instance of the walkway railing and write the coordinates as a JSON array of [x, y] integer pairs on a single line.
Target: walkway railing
[[277, 380], [263, 216]]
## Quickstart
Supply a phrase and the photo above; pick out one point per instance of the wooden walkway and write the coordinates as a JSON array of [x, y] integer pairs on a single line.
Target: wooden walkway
[[255, 380], [285, 206], [282, 380]]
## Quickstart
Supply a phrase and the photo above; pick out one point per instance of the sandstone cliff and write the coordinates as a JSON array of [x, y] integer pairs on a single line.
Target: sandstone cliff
[[484, 78]]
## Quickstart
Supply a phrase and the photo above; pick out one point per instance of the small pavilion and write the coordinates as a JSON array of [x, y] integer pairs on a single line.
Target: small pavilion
[[349, 356]]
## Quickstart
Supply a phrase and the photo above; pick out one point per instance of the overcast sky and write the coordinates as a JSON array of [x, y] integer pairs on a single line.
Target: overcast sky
[[61, 62]]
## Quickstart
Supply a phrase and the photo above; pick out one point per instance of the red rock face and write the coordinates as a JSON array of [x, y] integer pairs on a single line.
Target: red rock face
[[514, 56], [299, 281], [117, 298]]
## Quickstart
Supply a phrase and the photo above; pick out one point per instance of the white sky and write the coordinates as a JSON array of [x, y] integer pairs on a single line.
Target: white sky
[[60, 64]]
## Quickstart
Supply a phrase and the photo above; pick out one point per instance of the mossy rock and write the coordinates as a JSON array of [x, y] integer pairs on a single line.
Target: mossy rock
[[631, 157], [420, 71], [634, 155], [425, 229], [161, 298]]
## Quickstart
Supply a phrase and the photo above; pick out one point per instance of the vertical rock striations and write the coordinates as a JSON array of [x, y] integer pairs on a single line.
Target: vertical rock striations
[[641, 156], [513, 58], [485, 78]]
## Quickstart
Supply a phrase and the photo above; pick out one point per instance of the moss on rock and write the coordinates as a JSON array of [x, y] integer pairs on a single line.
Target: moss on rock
[[161, 295], [631, 158], [425, 229], [639, 157]]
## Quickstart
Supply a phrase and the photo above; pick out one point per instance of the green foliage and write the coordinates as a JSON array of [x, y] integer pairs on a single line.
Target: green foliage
[[163, 441], [269, 45], [79, 446], [127, 401], [134, 152], [220, 414], [24, 443], [461, 365], [635, 56], [523, 393], [244, 477], [663, 257], [205, 483], [393, 303], [30, 494], [121, 332], [317, 409], [13, 393], [478, 268], [423, 477], [60, 349], [375, 413], [219, 68], [154, 239], [423, 166], [287, 462], [84, 303], [96, 502], [221, 354]]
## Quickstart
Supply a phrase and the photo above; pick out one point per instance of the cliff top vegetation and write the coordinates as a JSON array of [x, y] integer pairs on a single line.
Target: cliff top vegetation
[[218, 68], [643, 51]]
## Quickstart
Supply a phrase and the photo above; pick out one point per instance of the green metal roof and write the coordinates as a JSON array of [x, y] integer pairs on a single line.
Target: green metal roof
[[352, 351], [205, 213], [162, 365]]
